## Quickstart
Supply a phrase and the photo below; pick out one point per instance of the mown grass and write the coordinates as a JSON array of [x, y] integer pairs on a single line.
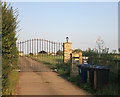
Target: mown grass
[[12, 82], [50, 61]]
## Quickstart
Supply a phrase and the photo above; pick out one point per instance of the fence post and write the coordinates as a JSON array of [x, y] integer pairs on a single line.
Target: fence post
[[40, 45], [30, 45], [37, 46], [49, 48], [54, 49], [27, 47]]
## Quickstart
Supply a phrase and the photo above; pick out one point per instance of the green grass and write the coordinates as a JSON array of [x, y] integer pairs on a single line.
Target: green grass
[[110, 89], [54, 62], [12, 82], [50, 61]]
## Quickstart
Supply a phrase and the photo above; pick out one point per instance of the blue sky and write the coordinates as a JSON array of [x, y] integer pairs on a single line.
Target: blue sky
[[82, 22]]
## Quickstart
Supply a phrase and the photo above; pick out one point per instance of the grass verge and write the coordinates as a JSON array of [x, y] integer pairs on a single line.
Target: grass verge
[[12, 82]]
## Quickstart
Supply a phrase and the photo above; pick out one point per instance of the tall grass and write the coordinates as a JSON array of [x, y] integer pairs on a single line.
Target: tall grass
[[112, 61]]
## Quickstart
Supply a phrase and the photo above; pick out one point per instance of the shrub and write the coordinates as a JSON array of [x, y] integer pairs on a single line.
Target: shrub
[[9, 49]]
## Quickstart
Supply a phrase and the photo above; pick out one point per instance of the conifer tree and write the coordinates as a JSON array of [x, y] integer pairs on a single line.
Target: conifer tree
[[9, 49]]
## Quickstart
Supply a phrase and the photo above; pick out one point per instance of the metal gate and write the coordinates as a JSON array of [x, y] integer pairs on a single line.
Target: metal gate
[[39, 50]]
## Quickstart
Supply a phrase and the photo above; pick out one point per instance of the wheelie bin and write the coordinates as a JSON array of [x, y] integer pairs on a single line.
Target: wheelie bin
[[98, 76], [82, 69]]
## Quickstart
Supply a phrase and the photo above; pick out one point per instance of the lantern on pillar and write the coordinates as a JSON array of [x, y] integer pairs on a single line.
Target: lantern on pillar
[[67, 38]]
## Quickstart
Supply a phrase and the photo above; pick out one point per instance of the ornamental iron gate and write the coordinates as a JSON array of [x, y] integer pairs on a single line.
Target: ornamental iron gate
[[42, 50]]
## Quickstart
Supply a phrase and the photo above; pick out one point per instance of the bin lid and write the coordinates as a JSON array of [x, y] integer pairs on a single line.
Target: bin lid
[[98, 67], [85, 65], [92, 66], [102, 67]]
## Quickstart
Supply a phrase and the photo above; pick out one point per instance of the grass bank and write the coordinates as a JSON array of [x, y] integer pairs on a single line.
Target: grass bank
[[12, 82]]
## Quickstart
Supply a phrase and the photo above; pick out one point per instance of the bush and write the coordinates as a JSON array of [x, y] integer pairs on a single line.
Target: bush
[[30, 53], [110, 89], [59, 52], [9, 49], [77, 51]]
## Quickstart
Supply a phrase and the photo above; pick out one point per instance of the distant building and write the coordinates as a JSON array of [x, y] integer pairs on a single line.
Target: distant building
[[52, 53], [48, 52], [42, 52], [21, 53], [35, 54]]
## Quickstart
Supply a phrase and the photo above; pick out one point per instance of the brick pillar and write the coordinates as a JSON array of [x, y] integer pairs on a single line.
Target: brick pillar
[[76, 59], [67, 50], [80, 58]]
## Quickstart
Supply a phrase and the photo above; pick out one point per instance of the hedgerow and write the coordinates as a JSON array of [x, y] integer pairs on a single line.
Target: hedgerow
[[9, 49]]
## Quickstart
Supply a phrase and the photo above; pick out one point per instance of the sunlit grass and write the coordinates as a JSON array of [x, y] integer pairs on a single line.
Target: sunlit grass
[[12, 82], [49, 60]]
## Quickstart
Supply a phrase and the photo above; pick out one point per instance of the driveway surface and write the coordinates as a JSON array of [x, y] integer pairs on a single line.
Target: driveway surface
[[38, 79]]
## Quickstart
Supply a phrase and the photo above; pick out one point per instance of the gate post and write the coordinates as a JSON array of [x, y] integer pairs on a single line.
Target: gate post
[[67, 50], [76, 59]]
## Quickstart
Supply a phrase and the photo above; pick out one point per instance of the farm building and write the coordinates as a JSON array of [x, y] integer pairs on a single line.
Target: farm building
[[52, 53], [35, 54], [21, 53]]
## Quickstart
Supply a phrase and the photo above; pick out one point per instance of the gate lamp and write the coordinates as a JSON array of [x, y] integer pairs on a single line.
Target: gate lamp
[[67, 38]]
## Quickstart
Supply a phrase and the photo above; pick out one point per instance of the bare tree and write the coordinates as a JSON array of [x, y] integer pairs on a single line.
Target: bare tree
[[114, 51], [100, 44], [95, 50], [105, 50]]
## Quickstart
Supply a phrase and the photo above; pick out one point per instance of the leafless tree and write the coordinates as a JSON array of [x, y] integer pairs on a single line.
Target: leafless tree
[[114, 51], [100, 45]]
